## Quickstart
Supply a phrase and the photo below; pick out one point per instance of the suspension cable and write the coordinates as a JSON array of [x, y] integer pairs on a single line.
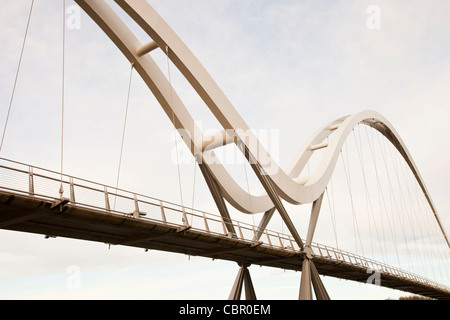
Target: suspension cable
[[174, 125], [368, 199], [248, 191], [355, 221], [395, 207], [401, 166], [404, 204], [415, 211], [193, 191], [61, 190], [17, 75], [332, 209], [333, 221], [381, 197], [123, 130], [368, 202]]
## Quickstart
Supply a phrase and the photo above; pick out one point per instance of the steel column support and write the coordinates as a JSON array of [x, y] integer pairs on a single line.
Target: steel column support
[[311, 275], [305, 282], [309, 270], [235, 293], [308, 277], [267, 183], [263, 223], [319, 288], [313, 220], [218, 198], [249, 289], [243, 279]]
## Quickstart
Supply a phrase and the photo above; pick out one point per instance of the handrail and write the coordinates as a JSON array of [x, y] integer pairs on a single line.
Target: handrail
[[273, 239]]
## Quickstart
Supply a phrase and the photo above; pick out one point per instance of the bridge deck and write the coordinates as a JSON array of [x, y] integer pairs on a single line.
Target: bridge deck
[[27, 213]]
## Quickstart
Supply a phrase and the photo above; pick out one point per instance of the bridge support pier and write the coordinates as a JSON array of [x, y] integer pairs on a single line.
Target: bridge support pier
[[243, 279], [310, 275]]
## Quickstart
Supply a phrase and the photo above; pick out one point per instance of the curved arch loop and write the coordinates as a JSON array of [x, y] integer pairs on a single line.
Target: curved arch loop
[[287, 183]]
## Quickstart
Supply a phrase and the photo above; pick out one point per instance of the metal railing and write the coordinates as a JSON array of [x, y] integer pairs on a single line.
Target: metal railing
[[50, 185]]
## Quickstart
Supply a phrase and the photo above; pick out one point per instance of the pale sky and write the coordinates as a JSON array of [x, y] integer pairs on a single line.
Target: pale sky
[[292, 66]]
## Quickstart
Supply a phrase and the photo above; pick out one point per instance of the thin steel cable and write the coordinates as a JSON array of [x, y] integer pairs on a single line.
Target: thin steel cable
[[123, 131], [431, 227], [424, 207], [404, 203], [332, 209], [248, 191], [333, 221], [174, 125], [421, 225], [17, 75], [333, 202], [394, 203], [355, 220], [368, 202], [380, 193], [415, 210], [433, 232], [193, 192], [368, 196], [61, 190], [391, 227]]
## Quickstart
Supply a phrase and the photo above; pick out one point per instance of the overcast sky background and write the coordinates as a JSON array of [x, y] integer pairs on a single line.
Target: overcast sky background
[[291, 66]]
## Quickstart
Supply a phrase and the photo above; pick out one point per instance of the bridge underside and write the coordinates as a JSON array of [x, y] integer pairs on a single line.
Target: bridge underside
[[28, 214]]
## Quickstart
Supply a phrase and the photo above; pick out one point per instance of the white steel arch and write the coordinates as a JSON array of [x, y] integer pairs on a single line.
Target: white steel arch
[[287, 183]]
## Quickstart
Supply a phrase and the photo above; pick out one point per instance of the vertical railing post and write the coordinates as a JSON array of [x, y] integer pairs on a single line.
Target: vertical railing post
[[292, 245], [281, 242], [206, 222], [107, 206], [240, 230], [72, 190], [163, 215], [255, 234], [30, 181], [136, 207], [225, 232], [185, 218], [268, 238]]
